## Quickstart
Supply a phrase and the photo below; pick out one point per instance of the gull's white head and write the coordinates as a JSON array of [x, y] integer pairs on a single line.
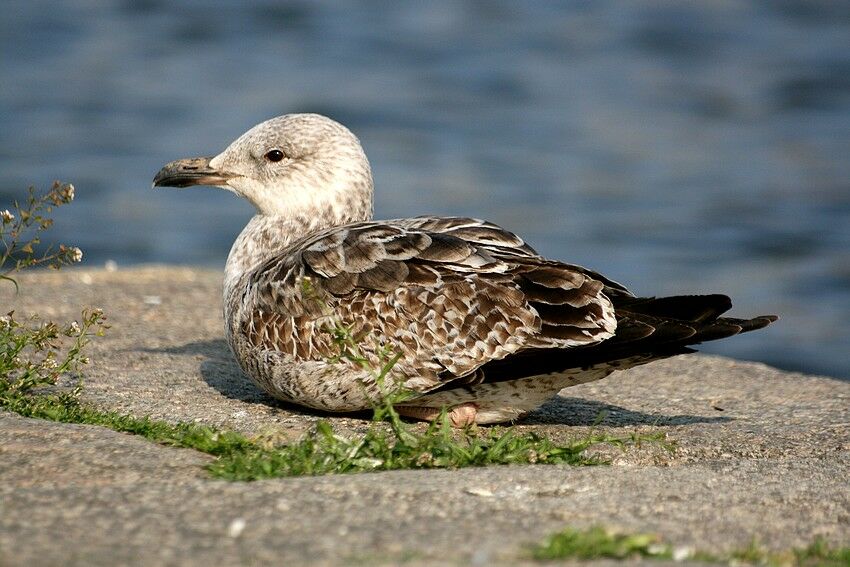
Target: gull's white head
[[291, 166]]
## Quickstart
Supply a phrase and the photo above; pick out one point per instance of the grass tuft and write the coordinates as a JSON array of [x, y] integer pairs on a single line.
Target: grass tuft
[[820, 553], [66, 407], [323, 450], [599, 543]]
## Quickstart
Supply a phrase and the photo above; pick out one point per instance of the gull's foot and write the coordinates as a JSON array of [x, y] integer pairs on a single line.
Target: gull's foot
[[459, 416]]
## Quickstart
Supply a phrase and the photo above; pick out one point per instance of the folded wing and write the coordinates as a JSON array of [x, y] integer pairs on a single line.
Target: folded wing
[[450, 294]]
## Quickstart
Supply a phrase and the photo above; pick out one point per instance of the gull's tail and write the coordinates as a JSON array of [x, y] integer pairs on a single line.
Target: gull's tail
[[648, 329]]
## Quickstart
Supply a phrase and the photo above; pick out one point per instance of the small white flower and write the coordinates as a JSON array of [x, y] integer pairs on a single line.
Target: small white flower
[[75, 254], [682, 553], [5, 321], [67, 193], [74, 327], [7, 216]]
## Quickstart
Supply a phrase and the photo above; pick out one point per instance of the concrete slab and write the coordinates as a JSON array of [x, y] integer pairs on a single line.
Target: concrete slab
[[761, 453]]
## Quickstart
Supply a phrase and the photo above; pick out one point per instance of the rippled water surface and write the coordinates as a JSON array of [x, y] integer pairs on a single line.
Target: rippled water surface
[[676, 147]]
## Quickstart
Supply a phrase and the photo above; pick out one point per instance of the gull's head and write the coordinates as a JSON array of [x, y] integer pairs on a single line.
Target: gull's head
[[297, 164]]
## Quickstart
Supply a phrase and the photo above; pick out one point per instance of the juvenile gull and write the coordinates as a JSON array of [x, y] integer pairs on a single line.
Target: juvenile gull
[[482, 323]]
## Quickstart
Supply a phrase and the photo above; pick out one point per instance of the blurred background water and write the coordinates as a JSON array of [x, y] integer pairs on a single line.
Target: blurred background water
[[676, 147]]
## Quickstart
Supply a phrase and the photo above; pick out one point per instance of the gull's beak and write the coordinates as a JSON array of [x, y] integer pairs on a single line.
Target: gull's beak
[[191, 171]]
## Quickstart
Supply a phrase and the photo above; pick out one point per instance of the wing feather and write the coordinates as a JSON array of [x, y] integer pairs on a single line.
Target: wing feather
[[452, 294]]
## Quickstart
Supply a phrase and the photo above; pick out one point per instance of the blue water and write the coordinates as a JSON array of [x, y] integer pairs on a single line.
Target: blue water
[[677, 147]]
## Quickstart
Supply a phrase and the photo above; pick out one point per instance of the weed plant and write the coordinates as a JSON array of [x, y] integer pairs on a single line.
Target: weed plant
[[597, 543], [36, 353]]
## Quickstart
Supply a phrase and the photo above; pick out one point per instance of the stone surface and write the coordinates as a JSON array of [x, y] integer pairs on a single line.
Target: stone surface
[[760, 453]]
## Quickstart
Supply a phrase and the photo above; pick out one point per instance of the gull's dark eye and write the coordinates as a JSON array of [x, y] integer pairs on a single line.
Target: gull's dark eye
[[274, 155]]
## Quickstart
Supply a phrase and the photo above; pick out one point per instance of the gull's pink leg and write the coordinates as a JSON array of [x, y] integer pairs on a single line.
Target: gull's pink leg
[[459, 416]]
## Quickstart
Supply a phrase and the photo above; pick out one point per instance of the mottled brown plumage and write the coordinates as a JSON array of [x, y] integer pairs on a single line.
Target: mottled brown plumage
[[479, 319]]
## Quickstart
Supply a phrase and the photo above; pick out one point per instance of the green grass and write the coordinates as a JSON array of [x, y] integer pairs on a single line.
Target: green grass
[[385, 446], [66, 407], [599, 543], [820, 553], [817, 554]]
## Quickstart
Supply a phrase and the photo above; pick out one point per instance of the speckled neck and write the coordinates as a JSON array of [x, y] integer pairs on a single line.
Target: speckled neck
[[267, 235]]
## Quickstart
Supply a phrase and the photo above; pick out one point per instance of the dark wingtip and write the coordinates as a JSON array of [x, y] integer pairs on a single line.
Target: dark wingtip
[[728, 326], [759, 322], [689, 308]]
